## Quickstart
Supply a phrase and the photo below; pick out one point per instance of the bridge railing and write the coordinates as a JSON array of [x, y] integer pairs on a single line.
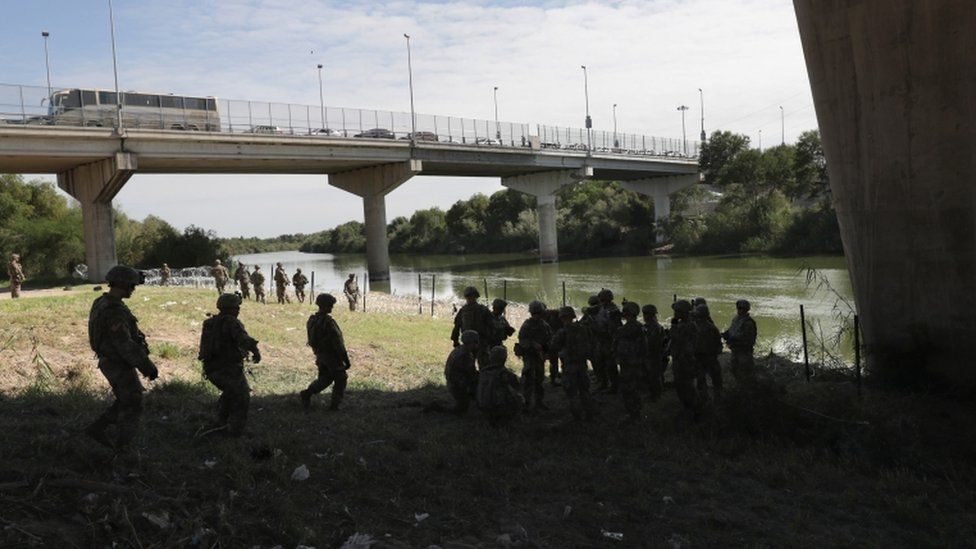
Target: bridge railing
[[30, 106]]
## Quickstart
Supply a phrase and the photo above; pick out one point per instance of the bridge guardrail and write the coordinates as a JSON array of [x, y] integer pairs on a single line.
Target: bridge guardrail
[[29, 106]]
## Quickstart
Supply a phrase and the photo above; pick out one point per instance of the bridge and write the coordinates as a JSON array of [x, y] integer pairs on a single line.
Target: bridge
[[367, 153]]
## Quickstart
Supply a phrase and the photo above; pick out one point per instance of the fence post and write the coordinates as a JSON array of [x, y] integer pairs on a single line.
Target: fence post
[[420, 294], [250, 117], [365, 288], [505, 289], [311, 291], [486, 291], [433, 284], [806, 360], [564, 293], [857, 354]]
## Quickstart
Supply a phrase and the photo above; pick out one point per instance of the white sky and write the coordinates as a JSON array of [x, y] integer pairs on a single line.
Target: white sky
[[648, 57]]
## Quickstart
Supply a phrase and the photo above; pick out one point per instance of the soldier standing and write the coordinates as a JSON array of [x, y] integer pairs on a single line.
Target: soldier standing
[[220, 276], [503, 330], [300, 281], [460, 372], [606, 322], [351, 290], [477, 317], [708, 346], [16, 273], [164, 275], [243, 279], [741, 339], [683, 337], [630, 351], [552, 319], [257, 280], [281, 284], [224, 344], [654, 333], [498, 389], [113, 333], [533, 346], [588, 321], [573, 346], [331, 357]]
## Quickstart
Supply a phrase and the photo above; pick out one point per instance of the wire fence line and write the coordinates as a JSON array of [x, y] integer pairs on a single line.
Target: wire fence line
[[38, 106]]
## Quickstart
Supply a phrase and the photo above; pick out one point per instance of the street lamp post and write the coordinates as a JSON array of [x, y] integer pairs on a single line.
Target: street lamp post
[[589, 121], [321, 99], [413, 115], [782, 121], [498, 127], [684, 138], [616, 142], [760, 140], [701, 97], [47, 64], [115, 67]]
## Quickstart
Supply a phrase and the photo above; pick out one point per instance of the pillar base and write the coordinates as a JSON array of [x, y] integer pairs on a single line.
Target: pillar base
[[661, 188], [543, 186]]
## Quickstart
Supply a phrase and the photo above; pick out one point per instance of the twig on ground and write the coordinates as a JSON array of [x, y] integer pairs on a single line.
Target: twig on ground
[[88, 485]]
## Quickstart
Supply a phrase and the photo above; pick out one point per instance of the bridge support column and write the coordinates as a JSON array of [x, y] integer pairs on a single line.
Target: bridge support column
[[94, 186], [543, 186], [373, 184], [660, 189]]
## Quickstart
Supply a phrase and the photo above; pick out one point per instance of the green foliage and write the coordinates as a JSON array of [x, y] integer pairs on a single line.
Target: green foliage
[[350, 237], [40, 225]]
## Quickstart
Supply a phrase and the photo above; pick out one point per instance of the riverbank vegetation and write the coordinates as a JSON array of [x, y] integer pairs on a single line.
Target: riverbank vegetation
[[799, 465]]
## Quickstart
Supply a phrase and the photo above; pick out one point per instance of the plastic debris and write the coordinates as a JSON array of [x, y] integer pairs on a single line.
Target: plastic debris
[[615, 536], [300, 473], [567, 510], [420, 517], [209, 463], [676, 541], [358, 541], [667, 499], [160, 519]]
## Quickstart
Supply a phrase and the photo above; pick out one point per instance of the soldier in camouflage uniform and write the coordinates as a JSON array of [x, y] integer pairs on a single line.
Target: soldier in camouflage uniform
[[220, 276], [477, 317], [300, 281], [113, 333], [257, 280], [351, 290], [460, 372], [654, 333], [683, 337], [498, 390], [331, 357], [164, 275], [588, 321], [630, 351], [572, 343], [224, 344], [552, 319], [741, 339], [606, 322], [503, 330], [281, 284], [243, 279], [16, 274], [533, 347], [708, 346]]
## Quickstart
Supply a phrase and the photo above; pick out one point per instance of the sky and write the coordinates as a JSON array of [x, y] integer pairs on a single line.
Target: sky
[[648, 57]]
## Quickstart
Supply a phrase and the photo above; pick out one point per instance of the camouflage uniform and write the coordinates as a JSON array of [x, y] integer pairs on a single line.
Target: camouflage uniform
[[684, 334], [533, 340], [477, 317], [331, 357], [114, 335], [16, 273], [572, 344], [220, 276], [552, 319], [243, 279], [708, 345], [281, 284], [654, 333], [741, 338], [300, 281], [351, 290], [462, 378], [224, 344], [630, 351], [498, 390], [257, 280], [164, 274], [605, 325], [588, 321], [502, 329]]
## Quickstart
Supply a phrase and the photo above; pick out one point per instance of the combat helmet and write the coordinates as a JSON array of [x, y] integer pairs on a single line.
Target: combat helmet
[[228, 301], [499, 303], [649, 310], [325, 299], [605, 295], [681, 306], [125, 275], [471, 291], [743, 304], [470, 337], [593, 300], [630, 308], [537, 307], [567, 312], [497, 355], [701, 311]]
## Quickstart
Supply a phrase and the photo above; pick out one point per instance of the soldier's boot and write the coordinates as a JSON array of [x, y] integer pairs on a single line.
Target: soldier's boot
[[338, 390], [97, 432], [306, 397]]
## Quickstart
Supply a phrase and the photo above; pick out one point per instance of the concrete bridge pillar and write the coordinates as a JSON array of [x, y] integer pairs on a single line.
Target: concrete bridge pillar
[[660, 189], [94, 186], [543, 186], [894, 86], [373, 184]]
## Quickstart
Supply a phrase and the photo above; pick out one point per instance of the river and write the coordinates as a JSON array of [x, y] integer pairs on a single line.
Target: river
[[775, 286]]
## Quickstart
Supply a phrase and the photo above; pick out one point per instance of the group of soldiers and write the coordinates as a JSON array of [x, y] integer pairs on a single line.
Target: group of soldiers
[[123, 353], [627, 356], [16, 273]]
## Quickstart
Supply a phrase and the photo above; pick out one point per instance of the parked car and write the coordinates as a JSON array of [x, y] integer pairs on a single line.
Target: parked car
[[423, 136], [275, 130], [377, 133], [324, 131], [486, 141]]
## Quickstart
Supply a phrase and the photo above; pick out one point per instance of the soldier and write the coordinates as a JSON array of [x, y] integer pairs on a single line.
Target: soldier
[[243, 279], [460, 372], [606, 323], [164, 275], [498, 389], [572, 344], [220, 276], [331, 357], [351, 290], [281, 284], [477, 317], [224, 344], [503, 330], [630, 351], [16, 273], [708, 345], [696, 302], [588, 321], [683, 337], [654, 333], [741, 338], [257, 280], [300, 281], [533, 346], [552, 319], [113, 333]]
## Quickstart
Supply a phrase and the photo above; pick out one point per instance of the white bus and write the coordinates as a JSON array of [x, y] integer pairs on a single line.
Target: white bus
[[91, 107]]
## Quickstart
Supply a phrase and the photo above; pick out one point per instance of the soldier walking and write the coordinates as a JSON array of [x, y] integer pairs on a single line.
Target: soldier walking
[[533, 346], [573, 346], [257, 280], [243, 279], [351, 290], [708, 346], [498, 390], [114, 335], [630, 351], [281, 284], [224, 344], [331, 357], [741, 339], [300, 281], [477, 317], [16, 274], [220, 276], [654, 334], [164, 274]]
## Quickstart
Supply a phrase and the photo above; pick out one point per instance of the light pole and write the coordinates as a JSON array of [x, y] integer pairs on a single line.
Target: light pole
[[616, 143], [782, 121], [47, 65], [115, 67], [321, 99], [589, 121], [684, 139], [760, 140], [413, 115], [498, 127], [701, 97]]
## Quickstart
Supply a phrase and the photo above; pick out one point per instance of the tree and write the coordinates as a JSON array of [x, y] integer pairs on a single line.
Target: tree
[[718, 153]]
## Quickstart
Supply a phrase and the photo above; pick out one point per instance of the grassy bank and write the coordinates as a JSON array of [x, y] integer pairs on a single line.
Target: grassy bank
[[761, 470]]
